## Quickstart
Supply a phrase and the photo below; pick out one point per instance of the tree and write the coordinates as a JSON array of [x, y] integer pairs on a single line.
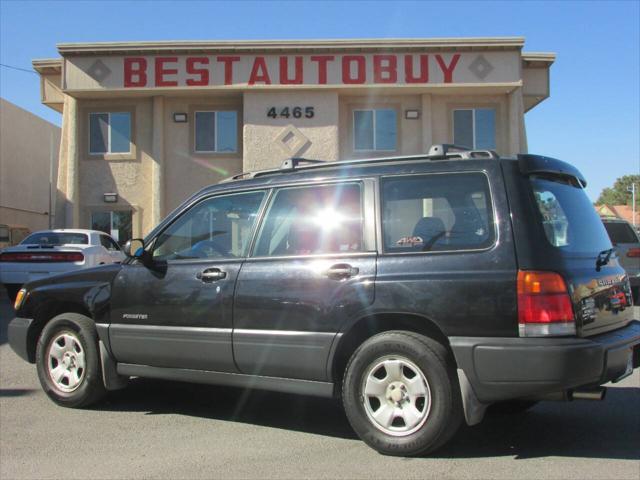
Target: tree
[[618, 194]]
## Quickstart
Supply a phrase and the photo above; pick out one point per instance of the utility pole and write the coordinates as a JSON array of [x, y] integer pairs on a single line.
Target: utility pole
[[632, 189]]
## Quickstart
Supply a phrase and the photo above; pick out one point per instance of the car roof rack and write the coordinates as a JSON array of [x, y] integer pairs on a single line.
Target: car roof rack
[[436, 152]]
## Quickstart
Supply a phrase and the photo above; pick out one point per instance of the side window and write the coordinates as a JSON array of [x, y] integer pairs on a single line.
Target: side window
[[109, 132], [313, 220], [216, 132], [109, 244], [219, 227], [475, 128], [437, 213], [375, 130]]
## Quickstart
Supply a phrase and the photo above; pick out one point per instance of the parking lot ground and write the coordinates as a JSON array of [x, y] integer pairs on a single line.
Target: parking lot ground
[[156, 429]]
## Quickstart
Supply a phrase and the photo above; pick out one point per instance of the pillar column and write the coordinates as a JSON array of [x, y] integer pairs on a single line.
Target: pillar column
[[517, 142], [72, 213], [157, 152], [427, 122]]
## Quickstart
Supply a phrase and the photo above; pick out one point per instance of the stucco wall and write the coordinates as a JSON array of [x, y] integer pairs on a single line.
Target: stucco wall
[[27, 143], [268, 141]]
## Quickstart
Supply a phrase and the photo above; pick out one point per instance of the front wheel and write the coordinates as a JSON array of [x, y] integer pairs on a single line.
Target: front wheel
[[401, 395], [68, 362]]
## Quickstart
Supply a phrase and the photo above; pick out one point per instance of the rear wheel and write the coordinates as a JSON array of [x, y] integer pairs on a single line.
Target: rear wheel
[[401, 395], [68, 362]]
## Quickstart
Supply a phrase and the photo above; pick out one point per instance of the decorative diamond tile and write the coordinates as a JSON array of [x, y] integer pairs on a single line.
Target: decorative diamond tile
[[98, 71], [481, 67], [291, 140]]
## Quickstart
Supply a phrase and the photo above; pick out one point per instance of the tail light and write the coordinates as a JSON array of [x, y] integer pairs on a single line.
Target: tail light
[[633, 252], [39, 257], [544, 305]]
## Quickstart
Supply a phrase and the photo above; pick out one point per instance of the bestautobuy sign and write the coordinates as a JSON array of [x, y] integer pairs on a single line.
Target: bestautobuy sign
[[256, 71]]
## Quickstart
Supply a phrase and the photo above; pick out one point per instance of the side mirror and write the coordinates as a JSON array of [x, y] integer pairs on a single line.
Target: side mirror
[[134, 248]]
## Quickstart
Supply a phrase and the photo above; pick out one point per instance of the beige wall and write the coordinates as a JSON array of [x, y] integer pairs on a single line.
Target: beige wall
[[27, 143], [268, 141]]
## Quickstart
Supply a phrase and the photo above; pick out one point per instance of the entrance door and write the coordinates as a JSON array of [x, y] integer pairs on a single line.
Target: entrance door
[[116, 223], [313, 267], [176, 310]]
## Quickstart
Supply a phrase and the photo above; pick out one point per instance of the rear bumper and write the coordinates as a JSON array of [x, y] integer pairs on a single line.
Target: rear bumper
[[20, 335], [506, 368], [19, 274]]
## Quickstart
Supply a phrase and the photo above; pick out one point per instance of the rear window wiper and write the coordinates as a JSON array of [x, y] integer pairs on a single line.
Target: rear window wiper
[[603, 258]]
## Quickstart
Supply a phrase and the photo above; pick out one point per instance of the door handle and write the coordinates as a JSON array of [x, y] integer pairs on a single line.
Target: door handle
[[211, 275], [341, 271]]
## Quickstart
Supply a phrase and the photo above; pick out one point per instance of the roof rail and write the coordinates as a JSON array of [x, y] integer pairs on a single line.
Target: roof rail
[[456, 151], [436, 152], [293, 162]]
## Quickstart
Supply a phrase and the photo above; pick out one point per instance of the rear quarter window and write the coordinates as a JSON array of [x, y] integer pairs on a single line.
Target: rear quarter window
[[567, 216], [437, 212]]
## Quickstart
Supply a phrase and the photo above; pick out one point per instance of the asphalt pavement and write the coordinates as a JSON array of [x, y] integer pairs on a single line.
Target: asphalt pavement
[[157, 429]]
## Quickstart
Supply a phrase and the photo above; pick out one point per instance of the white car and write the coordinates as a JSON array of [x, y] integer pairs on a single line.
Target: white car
[[49, 252]]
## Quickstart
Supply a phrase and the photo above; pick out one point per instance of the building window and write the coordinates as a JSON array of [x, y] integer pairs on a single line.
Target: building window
[[375, 130], [109, 132], [475, 128], [216, 132], [116, 223]]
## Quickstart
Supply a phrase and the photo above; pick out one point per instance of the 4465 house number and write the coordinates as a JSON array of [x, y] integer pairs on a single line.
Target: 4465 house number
[[288, 112]]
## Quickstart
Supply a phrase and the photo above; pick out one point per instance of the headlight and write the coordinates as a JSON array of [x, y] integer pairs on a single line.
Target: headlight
[[22, 294]]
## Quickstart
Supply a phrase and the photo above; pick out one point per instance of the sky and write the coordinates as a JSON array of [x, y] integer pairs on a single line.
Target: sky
[[592, 118]]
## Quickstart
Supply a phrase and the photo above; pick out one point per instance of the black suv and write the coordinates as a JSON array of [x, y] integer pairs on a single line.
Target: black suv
[[419, 290]]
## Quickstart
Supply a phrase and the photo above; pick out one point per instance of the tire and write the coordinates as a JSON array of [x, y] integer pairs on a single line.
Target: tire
[[511, 407], [383, 365], [12, 291], [75, 361]]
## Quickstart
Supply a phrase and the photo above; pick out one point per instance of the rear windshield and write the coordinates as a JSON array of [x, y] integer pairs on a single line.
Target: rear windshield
[[56, 238], [620, 232], [570, 222]]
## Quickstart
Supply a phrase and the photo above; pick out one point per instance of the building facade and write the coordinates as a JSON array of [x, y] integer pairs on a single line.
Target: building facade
[[29, 147], [147, 124]]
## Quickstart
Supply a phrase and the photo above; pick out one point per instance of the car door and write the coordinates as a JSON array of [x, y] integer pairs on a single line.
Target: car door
[[175, 309], [312, 267]]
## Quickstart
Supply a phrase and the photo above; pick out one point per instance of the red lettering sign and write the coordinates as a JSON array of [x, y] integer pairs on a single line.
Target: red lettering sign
[[447, 70], [135, 72], [409, 76], [361, 72], [228, 68], [192, 63], [161, 71], [259, 72], [284, 71], [322, 66], [385, 69]]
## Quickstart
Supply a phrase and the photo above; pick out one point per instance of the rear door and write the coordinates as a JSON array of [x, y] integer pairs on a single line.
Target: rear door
[[313, 267], [557, 229]]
